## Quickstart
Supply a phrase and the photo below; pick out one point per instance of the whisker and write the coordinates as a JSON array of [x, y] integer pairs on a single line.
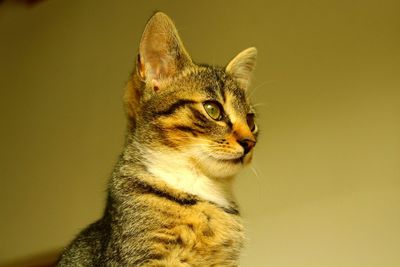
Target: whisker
[[258, 180], [253, 90], [259, 104]]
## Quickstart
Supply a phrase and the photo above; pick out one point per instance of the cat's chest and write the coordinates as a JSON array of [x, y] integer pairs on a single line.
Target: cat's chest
[[199, 235]]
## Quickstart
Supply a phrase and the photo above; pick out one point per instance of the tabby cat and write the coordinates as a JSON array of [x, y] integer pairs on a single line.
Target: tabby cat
[[190, 130]]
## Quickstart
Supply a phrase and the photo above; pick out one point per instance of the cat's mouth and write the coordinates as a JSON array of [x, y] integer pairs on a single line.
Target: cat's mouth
[[233, 159]]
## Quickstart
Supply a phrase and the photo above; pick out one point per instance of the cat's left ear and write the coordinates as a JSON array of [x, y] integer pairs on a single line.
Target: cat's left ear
[[161, 52], [242, 66]]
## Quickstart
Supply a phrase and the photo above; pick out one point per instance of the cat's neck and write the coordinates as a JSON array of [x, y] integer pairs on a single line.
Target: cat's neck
[[180, 174]]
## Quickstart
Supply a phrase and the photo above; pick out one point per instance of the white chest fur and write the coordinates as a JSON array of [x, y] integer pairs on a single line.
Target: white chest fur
[[176, 170]]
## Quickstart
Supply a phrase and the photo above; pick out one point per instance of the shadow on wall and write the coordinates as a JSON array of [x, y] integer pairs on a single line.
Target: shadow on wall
[[29, 3], [48, 259]]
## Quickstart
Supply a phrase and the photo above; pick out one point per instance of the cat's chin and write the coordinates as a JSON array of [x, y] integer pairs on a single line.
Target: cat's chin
[[223, 168], [233, 159]]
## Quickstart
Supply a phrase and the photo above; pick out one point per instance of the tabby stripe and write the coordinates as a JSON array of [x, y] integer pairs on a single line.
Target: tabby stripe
[[199, 116], [198, 125], [169, 143], [175, 106], [228, 122], [144, 187], [188, 129], [211, 92], [231, 210], [221, 86], [164, 138]]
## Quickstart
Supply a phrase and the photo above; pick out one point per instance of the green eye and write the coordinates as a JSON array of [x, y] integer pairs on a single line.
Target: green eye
[[213, 110]]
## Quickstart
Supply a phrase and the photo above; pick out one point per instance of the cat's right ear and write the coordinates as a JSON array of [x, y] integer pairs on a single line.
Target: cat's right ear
[[242, 66], [161, 52]]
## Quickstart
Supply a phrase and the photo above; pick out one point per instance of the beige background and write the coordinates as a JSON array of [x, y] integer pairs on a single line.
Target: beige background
[[327, 86]]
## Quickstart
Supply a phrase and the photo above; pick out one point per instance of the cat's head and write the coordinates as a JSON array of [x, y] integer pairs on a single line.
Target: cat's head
[[200, 112]]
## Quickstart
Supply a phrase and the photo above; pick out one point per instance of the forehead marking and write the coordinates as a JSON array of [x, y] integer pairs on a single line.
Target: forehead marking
[[230, 109], [220, 85]]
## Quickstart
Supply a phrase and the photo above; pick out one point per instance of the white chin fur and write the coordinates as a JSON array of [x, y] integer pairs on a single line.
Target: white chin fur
[[218, 168], [205, 180]]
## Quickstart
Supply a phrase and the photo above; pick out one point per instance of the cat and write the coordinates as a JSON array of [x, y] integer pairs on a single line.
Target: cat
[[190, 130]]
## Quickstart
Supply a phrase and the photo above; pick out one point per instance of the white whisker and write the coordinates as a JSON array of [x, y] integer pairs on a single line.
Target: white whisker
[[253, 90], [260, 185], [259, 104]]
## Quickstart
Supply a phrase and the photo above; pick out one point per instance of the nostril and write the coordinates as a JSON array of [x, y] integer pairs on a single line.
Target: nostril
[[247, 145]]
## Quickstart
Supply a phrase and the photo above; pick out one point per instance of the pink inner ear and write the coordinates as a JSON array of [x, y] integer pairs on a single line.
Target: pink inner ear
[[155, 84], [140, 68]]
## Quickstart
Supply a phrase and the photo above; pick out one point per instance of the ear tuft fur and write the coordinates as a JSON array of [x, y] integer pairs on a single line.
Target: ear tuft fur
[[161, 52], [161, 55], [242, 66]]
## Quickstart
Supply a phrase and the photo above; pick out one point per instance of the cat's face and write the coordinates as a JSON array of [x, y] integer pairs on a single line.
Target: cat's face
[[196, 114], [204, 116]]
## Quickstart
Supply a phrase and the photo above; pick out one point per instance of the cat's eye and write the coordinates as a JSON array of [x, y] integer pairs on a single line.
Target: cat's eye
[[213, 109], [250, 121]]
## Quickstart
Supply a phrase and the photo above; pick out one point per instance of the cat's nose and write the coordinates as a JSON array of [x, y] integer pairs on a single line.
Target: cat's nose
[[247, 144]]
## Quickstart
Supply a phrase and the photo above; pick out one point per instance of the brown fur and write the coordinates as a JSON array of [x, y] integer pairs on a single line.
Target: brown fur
[[170, 201]]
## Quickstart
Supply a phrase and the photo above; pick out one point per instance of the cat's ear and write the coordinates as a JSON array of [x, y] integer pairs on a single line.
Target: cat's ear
[[242, 66], [161, 52]]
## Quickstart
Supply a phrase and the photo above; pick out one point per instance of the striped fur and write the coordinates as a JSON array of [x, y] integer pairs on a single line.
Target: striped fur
[[170, 200]]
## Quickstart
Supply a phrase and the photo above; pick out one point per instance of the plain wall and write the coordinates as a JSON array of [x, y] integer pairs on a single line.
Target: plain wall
[[325, 190]]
